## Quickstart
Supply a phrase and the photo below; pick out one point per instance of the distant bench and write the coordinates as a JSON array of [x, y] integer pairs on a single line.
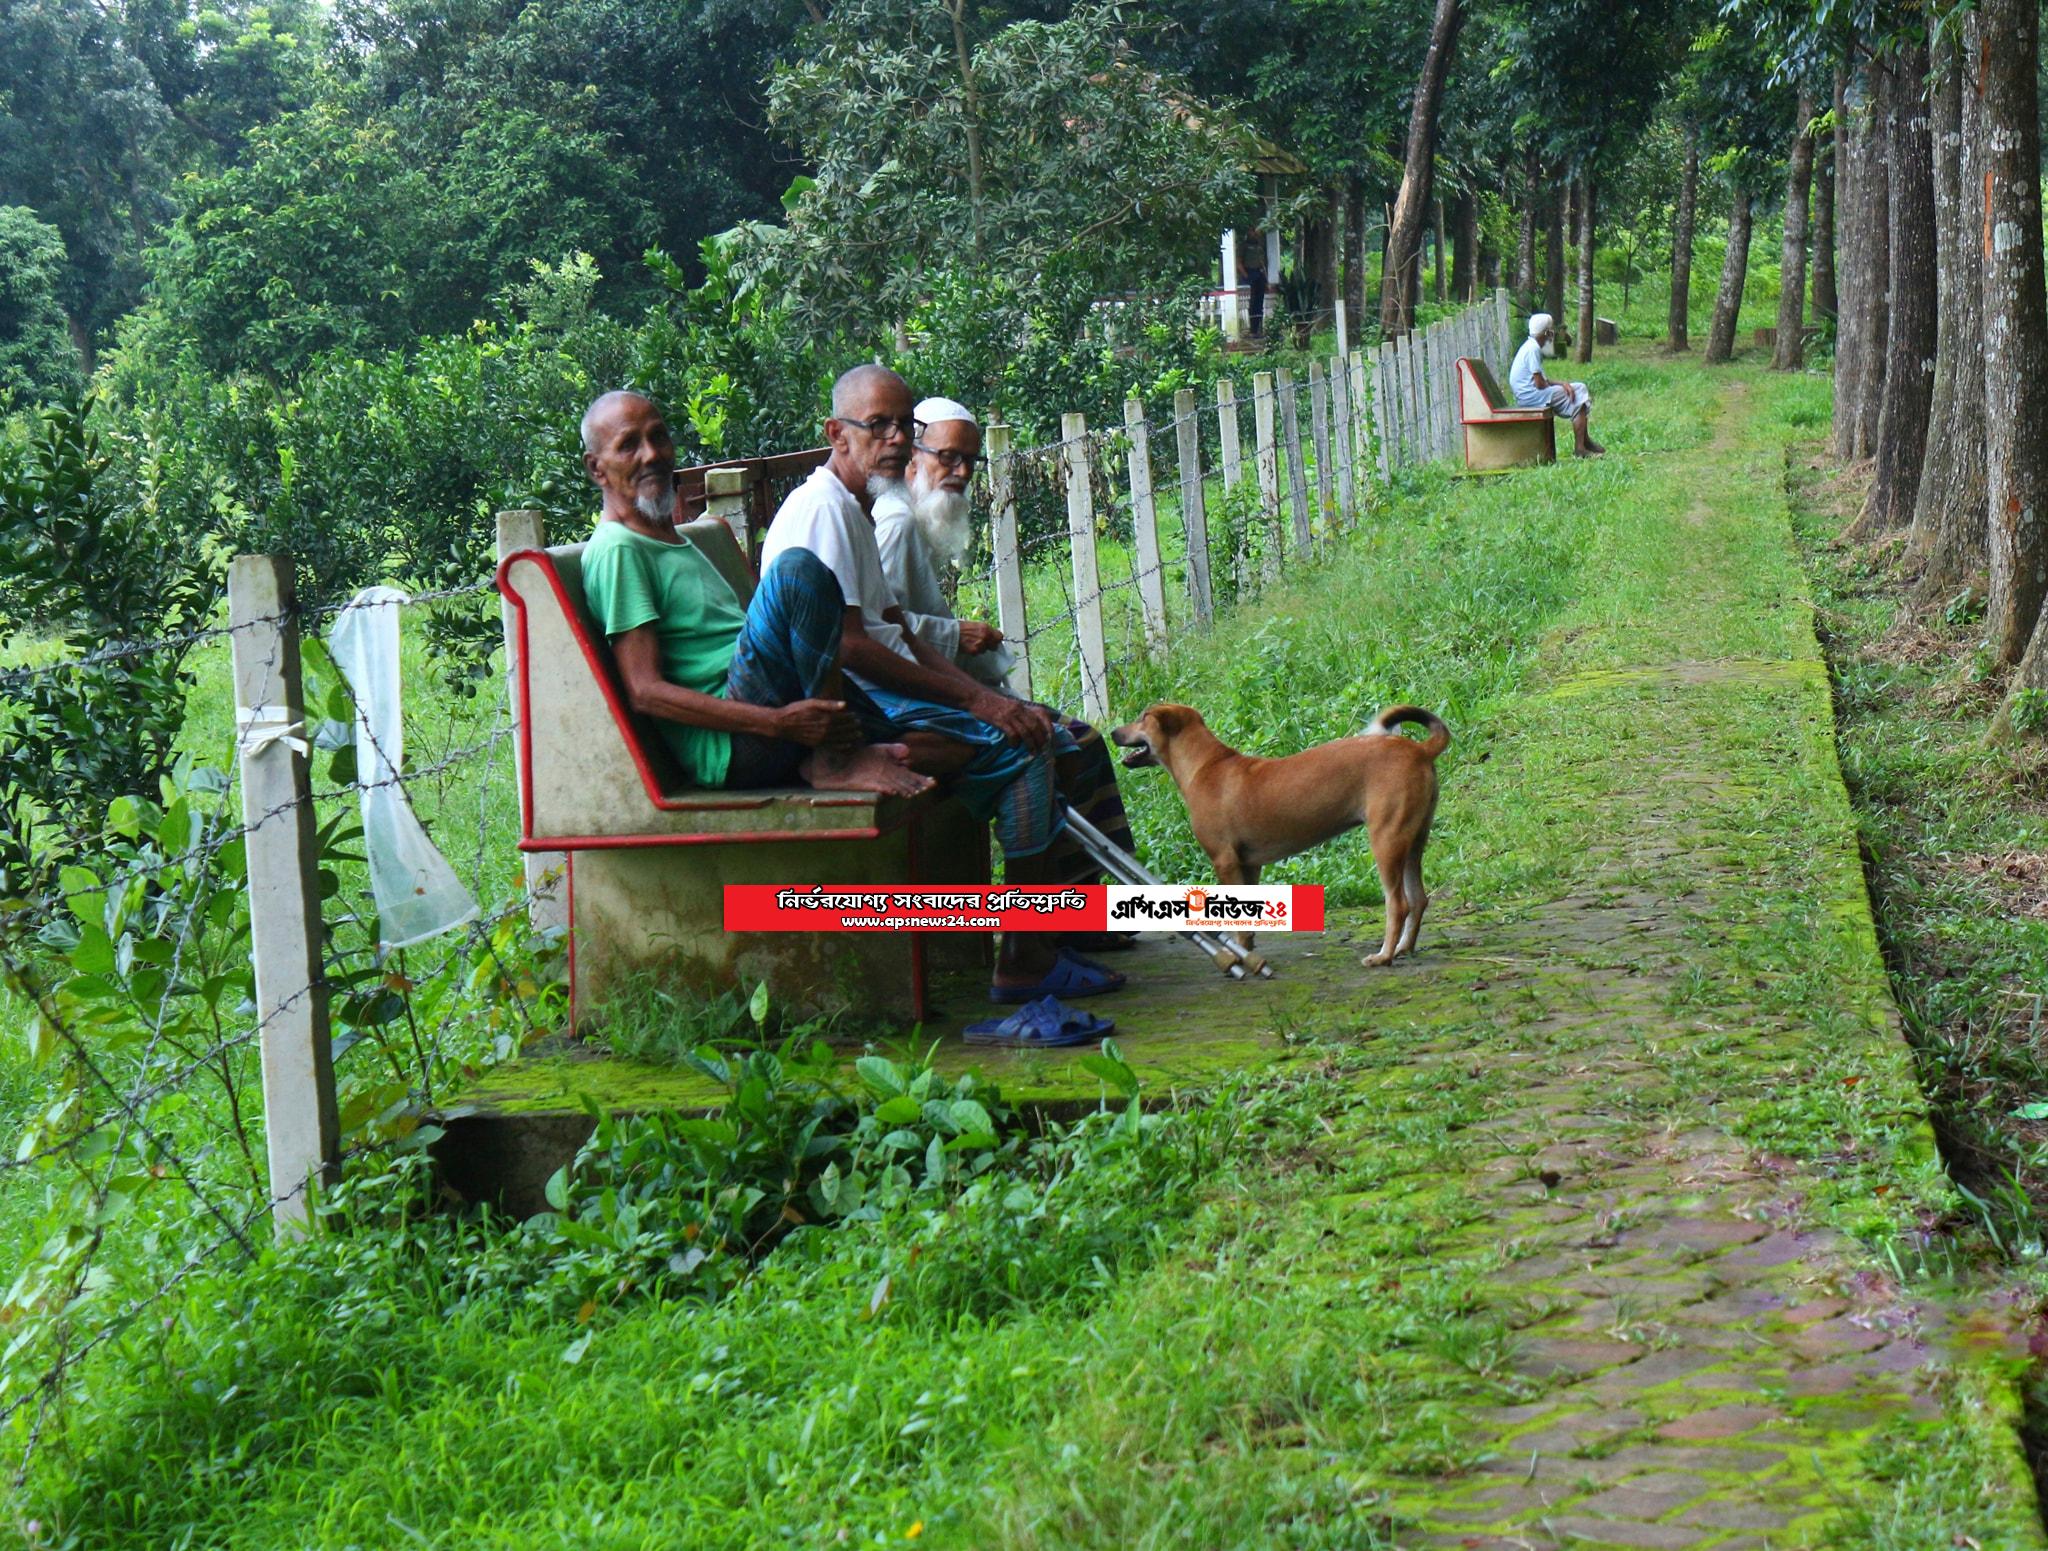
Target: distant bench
[[1500, 434], [647, 856]]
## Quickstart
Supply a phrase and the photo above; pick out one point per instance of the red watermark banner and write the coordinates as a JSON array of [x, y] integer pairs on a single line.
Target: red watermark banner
[[966, 907]]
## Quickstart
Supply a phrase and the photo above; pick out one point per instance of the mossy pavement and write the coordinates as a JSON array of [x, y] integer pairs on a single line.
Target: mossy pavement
[[1640, 1113]]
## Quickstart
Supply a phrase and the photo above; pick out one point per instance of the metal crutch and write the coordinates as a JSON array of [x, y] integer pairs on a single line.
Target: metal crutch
[[1225, 954]]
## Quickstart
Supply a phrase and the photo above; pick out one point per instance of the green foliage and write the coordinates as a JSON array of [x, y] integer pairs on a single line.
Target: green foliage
[[336, 231], [100, 555], [37, 361], [1039, 145]]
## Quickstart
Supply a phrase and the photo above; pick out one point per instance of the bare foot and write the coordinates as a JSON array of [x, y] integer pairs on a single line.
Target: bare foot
[[879, 767]]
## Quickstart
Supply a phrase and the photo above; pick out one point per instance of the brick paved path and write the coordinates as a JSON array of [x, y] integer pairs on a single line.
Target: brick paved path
[[1706, 1086]]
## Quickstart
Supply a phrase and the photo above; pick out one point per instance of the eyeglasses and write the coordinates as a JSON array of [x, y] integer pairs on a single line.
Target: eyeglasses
[[950, 459], [880, 426]]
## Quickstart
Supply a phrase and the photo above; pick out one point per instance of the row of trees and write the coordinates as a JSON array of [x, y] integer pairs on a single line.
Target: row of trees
[[1944, 333]]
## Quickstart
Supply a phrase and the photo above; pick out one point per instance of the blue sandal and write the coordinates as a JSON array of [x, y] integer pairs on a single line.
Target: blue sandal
[[1040, 1025], [1070, 975]]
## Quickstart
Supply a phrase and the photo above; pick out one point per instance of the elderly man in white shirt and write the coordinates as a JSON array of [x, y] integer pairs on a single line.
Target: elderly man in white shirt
[[923, 530], [1533, 390], [997, 750]]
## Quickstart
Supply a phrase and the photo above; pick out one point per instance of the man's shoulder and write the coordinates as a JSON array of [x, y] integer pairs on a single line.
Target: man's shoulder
[[819, 501], [892, 511]]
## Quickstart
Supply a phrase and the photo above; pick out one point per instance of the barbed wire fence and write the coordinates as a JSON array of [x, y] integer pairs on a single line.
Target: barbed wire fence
[[215, 1022], [1107, 544]]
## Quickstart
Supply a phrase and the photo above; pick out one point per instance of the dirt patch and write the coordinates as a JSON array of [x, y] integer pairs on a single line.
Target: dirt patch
[[2020, 878]]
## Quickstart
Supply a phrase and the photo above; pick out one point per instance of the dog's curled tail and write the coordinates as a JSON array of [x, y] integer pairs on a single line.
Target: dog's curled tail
[[1383, 725]]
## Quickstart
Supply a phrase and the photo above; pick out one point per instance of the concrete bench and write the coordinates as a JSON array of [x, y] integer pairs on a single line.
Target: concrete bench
[[647, 857], [1499, 434]]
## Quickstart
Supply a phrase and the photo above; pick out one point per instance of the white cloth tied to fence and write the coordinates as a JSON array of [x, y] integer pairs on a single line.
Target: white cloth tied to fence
[[417, 893], [258, 727]]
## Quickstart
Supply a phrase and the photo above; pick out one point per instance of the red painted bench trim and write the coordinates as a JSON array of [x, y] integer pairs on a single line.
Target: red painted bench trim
[[623, 721]]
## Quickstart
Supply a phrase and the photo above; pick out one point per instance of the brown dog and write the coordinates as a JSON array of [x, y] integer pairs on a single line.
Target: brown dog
[[1248, 811]]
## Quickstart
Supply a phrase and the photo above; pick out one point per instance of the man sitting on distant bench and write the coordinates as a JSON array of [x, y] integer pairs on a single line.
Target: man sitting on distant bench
[[743, 697], [1532, 390]]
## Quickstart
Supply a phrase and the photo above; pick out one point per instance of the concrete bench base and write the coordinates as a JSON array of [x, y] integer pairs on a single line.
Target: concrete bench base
[[655, 915]]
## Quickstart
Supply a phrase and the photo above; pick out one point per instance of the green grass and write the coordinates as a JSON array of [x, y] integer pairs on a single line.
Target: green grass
[[1289, 1354], [1955, 836]]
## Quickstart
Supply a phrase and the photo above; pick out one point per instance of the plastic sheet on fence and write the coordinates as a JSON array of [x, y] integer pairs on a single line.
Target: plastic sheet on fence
[[417, 893]]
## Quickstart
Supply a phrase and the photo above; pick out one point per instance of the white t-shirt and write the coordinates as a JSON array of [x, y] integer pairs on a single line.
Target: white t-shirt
[[821, 515], [1522, 375]]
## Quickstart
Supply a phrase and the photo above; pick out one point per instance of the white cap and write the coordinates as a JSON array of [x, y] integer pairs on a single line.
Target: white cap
[[937, 411], [1538, 323]]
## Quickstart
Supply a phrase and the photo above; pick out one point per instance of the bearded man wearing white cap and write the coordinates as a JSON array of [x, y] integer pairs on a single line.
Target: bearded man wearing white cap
[[1532, 390], [923, 529]]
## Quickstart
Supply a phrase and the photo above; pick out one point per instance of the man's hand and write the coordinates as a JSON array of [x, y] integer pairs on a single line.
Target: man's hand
[[976, 638], [1020, 723], [817, 724]]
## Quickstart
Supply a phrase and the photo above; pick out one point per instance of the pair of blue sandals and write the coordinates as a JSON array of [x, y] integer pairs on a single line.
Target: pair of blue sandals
[[1044, 1022]]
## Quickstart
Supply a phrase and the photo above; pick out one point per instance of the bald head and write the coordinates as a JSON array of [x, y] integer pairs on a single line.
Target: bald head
[[605, 407], [856, 390]]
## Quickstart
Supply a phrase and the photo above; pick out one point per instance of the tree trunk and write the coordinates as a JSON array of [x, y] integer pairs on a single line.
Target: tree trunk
[[1950, 513], [1875, 302], [1443, 254], [1678, 320], [1404, 238], [1354, 254], [1910, 339], [1851, 159], [1790, 353], [1824, 212], [1553, 242], [971, 103], [1582, 347], [1465, 273], [1525, 238], [1734, 276], [2015, 335]]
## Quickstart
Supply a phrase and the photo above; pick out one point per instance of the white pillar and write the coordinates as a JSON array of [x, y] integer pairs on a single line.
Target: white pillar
[[1233, 324]]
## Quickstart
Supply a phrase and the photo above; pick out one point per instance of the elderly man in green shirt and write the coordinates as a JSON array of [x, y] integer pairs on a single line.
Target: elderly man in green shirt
[[744, 697]]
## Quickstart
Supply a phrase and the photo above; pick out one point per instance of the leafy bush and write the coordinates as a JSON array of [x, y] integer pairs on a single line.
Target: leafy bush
[[102, 554], [673, 1204], [37, 361]]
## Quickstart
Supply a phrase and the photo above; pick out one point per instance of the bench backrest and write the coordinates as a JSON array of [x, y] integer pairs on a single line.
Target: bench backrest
[[1479, 395], [588, 766]]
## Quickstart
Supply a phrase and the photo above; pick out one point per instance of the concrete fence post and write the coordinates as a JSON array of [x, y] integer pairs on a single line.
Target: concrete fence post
[[1343, 427], [1386, 406], [1297, 467], [547, 894], [1269, 472], [1145, 525], [1319, 426], [1002, 500], [725, 497], [1359, 383], [1087, 574], [302, 1130], [1232, 453], [1194, 514]]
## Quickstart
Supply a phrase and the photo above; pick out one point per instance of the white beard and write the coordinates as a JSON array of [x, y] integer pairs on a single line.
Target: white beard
[[881, 486], [657, 507], [944, 519]]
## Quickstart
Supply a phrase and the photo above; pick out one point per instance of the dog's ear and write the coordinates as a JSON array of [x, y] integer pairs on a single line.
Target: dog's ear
[[1173, 720]]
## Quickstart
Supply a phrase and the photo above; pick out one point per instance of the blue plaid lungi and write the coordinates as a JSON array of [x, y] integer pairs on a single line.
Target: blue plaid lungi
[[788, 648]]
